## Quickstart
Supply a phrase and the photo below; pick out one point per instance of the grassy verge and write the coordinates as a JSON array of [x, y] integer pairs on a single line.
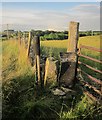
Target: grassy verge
[[22, 100]]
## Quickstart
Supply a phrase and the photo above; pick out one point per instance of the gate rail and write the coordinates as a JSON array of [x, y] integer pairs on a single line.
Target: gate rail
[[91, 90]]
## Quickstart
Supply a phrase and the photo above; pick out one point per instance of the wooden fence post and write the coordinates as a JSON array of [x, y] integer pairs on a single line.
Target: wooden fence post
[[29, 43], [19, 38], [36, 42]]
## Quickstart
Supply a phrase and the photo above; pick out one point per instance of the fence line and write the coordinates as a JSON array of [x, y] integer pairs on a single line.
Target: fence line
[[92, 78], [90, 86], [91, 48], [88, 66], [36, 45], [97, 81], [90, 58]]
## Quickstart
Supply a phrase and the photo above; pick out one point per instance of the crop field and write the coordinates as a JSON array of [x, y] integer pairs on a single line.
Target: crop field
[[89, 41], [54, 47], [22, 99]]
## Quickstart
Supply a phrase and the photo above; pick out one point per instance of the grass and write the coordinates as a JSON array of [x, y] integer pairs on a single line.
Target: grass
[[23, 100], [89, 40], [16, 74], [61, 46], [83, 110], [53, 48]]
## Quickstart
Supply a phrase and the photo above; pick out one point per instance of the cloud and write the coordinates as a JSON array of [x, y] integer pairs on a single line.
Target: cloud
[[87, 14], [87, 8], [41, 19]]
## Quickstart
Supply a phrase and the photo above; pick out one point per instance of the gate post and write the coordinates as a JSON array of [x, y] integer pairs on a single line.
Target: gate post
[[19, 38], [36, 43], [69, 59], [73, 36], [29, 43]]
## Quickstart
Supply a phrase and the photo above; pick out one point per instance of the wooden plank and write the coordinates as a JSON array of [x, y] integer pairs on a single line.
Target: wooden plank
[[92, 78], [90, 48], [90, 95], [29, 43], [93, 59], [88, 66], [90, 86], [19, 38]]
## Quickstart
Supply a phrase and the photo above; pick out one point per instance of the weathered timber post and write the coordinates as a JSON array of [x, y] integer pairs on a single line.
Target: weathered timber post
[[7, 33], [19, 38], [36, 42], [69, 59], [29, 43]]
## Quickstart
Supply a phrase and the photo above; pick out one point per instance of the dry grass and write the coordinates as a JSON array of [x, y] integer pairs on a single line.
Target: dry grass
[[14, 59], [22, 104]]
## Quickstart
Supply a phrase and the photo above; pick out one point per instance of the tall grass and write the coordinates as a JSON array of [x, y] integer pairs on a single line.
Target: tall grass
[[22, 100], [51, 51], [83, 110], [17, 79]]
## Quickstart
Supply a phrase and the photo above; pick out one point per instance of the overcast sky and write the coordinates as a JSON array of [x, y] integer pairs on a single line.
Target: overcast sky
[[50, 15]]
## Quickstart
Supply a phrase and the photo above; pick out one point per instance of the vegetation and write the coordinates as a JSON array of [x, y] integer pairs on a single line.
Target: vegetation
[[89, 41], [61, 46], [23, 100], [47, 34]]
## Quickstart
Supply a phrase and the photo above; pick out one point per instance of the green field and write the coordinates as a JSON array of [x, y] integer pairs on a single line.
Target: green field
[[89, 41], [22, 100]]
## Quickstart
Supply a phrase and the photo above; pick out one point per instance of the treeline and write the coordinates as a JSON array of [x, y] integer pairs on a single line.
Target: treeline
[[89, 33], [56, 35], [51, 35], [47, 35]]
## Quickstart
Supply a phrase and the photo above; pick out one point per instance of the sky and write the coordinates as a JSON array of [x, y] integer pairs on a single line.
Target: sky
[[51, 0], [50, 15]]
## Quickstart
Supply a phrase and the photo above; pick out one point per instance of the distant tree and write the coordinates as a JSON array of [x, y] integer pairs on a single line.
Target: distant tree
[[65, 32], [47, 32], [89, 33]]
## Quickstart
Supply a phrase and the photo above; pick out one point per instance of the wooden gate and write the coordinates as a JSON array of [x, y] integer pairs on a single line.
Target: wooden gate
[[90, 76]]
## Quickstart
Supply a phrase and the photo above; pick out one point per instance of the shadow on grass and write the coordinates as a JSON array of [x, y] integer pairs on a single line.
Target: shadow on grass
[[23, 100]]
